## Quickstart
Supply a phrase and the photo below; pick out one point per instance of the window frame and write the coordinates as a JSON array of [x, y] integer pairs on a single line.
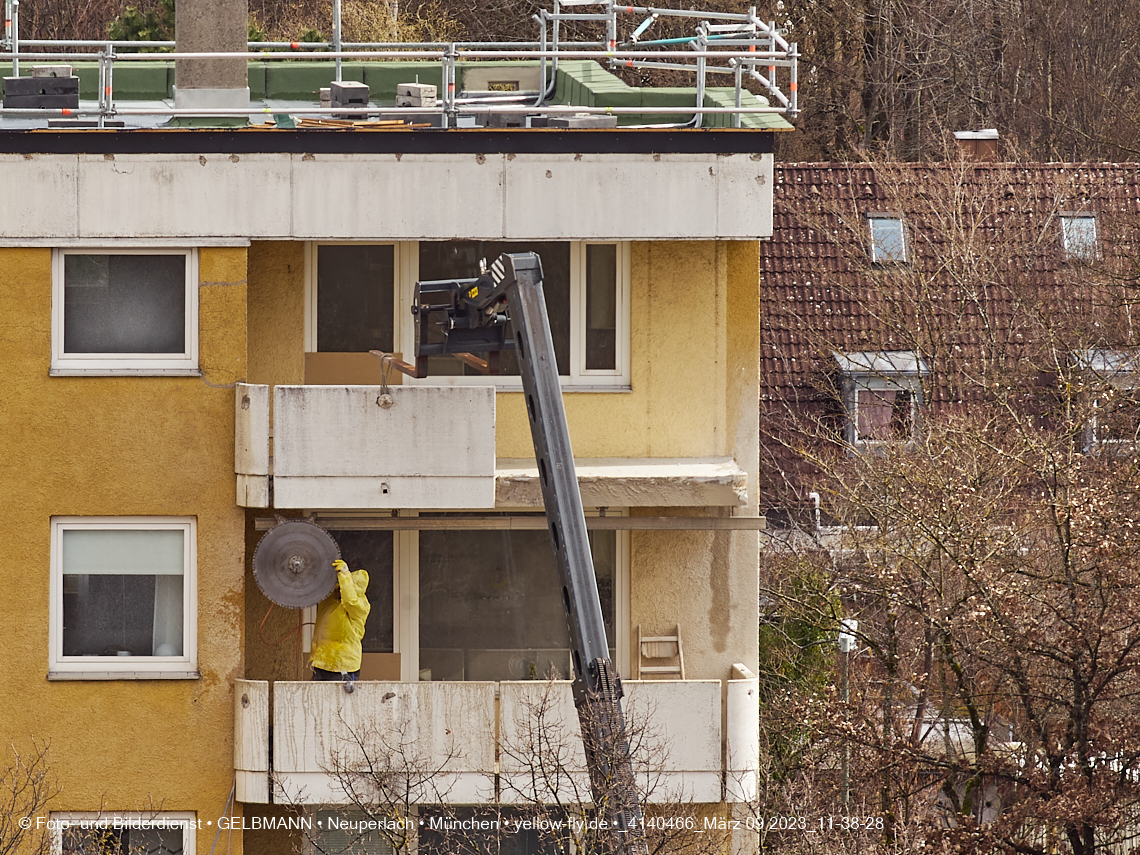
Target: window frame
[[579, 377], [182, 667], [877, 371], [406, 262], [579, 373], [1115, 369], [1095, 443], [183, 364], [400, 307], [873, 244], [189, 820], [1081, 252], [406, 586]]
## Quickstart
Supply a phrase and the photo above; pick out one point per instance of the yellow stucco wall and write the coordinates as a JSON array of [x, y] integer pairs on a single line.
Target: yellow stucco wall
[[707, 582], [277, 312], [123, 446], [677, 350], [276, 343]]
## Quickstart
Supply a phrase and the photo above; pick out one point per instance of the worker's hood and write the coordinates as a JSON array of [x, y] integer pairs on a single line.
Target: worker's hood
[[360, 579]]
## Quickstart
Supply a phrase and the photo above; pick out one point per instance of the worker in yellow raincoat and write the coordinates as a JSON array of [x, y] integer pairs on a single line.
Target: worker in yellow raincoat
[[340, 627]]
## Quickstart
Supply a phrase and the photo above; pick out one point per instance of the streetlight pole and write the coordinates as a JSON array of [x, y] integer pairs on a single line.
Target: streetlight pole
[[847, 644]]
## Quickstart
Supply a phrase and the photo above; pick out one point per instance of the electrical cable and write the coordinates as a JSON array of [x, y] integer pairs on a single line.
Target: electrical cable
[[225, 811]]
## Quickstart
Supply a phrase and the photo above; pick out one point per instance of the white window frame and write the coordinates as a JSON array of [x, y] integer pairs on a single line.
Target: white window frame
[[1079, 251], [1097, 444], [579, 378], [92, 819], [875, 372], [875, 385], [139, 364], [407, 274], [578, 370], [874, 244], [1119, 369], [182, 667], [400, 307]]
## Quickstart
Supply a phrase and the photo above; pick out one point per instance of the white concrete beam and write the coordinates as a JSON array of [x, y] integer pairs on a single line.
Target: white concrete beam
[[182, 196], [39, 197], [632, 482], [185, 197]]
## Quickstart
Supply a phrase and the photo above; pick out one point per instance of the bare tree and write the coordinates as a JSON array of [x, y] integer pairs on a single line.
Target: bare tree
[[541, 793], [890, 77], [990, 548]]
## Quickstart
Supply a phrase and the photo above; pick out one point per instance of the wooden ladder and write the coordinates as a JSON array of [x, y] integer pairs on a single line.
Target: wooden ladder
[[660, 649]]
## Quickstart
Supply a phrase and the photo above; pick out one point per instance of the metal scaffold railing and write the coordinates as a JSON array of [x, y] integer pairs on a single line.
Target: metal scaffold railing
[[739, 44], [736, 46], [12, 32]]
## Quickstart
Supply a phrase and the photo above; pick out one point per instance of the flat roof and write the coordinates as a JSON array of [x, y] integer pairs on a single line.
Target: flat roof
[[255, 140], [283, 112]]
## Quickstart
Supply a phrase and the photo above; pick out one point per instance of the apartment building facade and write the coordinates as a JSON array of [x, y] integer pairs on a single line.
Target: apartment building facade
[[190, 313]]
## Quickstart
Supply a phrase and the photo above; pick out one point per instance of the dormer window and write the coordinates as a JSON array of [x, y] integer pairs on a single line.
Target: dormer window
[[882, 394], [1078, 236], [888, 239], [1113, 377]]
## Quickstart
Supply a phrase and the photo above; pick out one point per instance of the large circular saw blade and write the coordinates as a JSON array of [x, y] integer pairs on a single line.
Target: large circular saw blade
[[293, 564]]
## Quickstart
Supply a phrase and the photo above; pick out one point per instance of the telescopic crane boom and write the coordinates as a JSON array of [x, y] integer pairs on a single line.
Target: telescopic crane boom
[[473, 315]]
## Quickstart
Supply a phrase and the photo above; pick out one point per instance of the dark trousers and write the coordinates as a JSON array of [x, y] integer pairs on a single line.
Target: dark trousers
[[323, 676]]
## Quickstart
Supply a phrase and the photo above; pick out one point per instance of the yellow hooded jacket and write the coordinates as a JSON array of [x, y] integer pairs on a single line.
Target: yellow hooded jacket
[[340, 623]]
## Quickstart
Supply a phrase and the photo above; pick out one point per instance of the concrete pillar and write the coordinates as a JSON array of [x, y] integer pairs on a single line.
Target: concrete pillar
[[211, 25]]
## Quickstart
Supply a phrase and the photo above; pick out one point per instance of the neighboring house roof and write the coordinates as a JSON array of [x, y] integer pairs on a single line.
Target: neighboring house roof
[[984, 252]]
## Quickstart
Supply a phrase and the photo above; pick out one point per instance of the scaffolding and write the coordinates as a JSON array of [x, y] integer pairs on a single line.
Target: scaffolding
[[723, 45], [737, 44]]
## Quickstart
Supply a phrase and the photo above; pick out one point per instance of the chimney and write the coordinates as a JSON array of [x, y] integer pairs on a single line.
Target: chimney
[[981, 146], [211, 26]]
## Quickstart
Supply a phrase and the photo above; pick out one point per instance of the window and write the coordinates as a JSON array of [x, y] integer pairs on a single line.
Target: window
[[360, 295], [538, 830], [373, 550], [882, 415], [1115, 422], [491, 605], [888, 239], [103, 833], [337, 831], [130, 311], [882, 394], [355, 297], [123, 597], [1078, 236], [1112, 378], [587, 299], [481, 604]]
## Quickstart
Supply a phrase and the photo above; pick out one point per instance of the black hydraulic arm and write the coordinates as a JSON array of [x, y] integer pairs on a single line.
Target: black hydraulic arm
[[515, 283]]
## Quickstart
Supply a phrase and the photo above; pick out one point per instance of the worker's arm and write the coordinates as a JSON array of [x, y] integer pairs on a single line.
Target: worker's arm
[[351, 597]]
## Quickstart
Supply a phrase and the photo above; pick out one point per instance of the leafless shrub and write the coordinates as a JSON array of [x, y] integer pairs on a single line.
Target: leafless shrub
[[26, 788]]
